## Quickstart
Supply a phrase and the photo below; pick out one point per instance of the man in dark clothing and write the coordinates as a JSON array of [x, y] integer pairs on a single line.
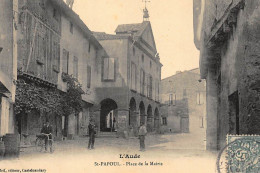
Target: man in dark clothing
[[46, 132], [91, 132]]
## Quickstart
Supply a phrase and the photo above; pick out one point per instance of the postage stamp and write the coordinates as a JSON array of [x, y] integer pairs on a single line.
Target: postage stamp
[[241, 155]]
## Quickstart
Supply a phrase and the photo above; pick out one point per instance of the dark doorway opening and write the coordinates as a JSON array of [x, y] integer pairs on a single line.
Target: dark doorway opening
[[108, 116], [233, 101]]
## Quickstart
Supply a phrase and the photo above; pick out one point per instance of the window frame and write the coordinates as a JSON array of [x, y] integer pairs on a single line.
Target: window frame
[[103, 68]]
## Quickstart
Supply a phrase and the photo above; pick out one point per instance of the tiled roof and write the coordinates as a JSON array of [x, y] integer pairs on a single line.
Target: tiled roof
[[137, 28], [105, 36]]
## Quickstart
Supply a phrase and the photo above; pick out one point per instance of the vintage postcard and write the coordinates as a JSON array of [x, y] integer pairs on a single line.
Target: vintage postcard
[[129, 86]]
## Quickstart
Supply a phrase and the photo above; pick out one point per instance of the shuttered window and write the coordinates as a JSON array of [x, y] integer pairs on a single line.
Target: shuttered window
[[65, 61], [88, 76], [142, 81], [133, 76], [200, 98], [109, 69], [172, 99], [75, 67]]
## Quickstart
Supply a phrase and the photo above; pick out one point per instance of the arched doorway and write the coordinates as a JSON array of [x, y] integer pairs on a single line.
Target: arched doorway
[[132, 113], [108, 116], [142, 112], [149, 118], [133, 116], [156, 119]]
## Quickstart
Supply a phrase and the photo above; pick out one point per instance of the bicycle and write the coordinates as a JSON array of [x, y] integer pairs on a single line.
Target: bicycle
[[40, 143]]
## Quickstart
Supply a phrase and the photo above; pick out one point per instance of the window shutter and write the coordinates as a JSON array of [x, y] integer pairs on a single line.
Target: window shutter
[[201, 98], [105, 71], [88, 76], [111, 67], [198, 98], [174, 99], [65, 58], [75, 67]]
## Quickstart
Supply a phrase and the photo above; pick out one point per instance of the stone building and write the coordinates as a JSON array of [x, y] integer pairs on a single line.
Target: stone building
[[8, 64], [130, 80], [227, 35], [183, 99], [53, 42]]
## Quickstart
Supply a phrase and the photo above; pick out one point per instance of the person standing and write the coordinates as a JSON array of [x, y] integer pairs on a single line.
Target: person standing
[[142, 133], [91, 132], [47, 132]]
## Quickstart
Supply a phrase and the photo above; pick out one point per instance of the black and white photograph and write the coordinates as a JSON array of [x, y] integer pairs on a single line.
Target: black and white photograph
[[130, 86]]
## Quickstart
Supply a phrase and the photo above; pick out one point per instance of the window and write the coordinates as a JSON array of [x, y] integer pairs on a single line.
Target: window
[[54, 12], [88, 76], [65, 61], [142, 81], [184, 93], [71, 27], [151, 64], [56, 56], [142, 58], [42, 4], [201, 122], [75, 67], [109, 69], [157, 90], [200, 98], [164, 120], [133, 76], [150, 86], [172, 99], [41, 48], [134, 51], [89, 47]]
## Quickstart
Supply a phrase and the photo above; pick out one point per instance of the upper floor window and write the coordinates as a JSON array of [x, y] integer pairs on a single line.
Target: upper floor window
[[56, 56], [42, 3], [75, 67], [184, 93], [134, 51], [142, 81], [65, 61], [89, 47], [109, 69], [54, 12], [150, 86], [201, 122], [200, 100], [88, 76], [71, 27], [172, 99], [164, 120], [133, 76], [151, 65], [142, 58]]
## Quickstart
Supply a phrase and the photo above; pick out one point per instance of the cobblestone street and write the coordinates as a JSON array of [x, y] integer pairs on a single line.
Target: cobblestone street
[[168, 149]]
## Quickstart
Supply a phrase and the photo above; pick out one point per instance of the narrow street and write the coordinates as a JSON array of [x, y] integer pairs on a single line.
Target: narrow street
[[171, 152]]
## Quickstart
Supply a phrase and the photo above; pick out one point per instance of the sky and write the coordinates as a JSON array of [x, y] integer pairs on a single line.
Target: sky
[[171, 20]]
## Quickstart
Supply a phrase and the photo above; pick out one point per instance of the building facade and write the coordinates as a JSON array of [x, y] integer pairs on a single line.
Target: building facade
[[184, 103], [54, 43], [131, 76], [228, 39], [8, 64]]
